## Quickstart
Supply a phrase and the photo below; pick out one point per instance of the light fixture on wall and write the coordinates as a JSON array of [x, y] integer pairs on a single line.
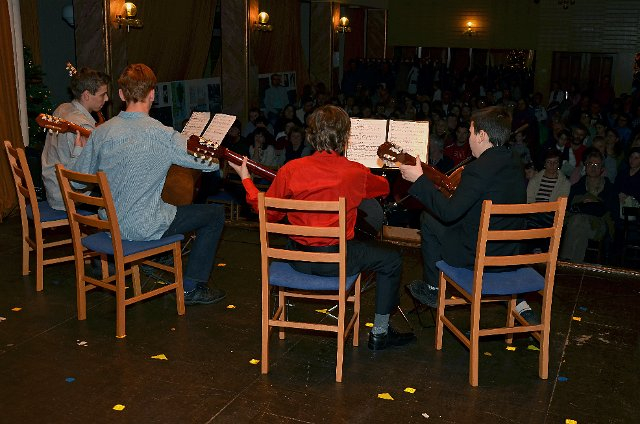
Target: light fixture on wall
[[343, 25], [129, 19], [263, 22], [469, 32], [566, 3]]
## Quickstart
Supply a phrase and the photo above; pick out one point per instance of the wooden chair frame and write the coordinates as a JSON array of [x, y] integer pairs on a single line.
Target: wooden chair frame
[[27, 196], [475, 298], [279, 319], [116, 282]]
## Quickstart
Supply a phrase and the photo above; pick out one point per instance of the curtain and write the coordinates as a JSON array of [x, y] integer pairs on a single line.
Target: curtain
[[281, 49], [9, 116], [175, 39]]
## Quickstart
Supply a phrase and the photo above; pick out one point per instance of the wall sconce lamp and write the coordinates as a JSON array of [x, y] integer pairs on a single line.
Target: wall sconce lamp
[[469, 32], [343, 25], [263, 22], [129, 19]]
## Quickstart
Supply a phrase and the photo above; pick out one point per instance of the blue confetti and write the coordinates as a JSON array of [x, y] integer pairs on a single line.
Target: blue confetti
[[582, 308], [563, 379], [69, 379]]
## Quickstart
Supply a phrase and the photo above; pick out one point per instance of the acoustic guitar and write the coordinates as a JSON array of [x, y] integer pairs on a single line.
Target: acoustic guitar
[[446, 183], [178, 186]]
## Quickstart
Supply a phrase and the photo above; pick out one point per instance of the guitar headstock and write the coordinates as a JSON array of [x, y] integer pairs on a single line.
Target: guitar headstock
[[203, 149], [389, 152], [52, 123]]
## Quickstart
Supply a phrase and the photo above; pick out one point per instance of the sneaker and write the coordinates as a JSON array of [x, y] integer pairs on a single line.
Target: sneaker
[[530, 316], [389, 339], [203, 295], [424, 293]]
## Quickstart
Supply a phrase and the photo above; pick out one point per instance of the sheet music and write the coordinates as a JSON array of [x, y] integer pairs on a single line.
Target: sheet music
[[218, 127], [411, 136], [366, 136], [196, 124]]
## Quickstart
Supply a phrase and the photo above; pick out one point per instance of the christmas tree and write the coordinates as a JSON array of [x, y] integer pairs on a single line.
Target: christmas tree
[[38, 98]]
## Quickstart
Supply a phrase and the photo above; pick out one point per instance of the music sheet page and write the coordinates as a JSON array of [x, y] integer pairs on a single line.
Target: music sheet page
[[219, 127], [411, 136], [366, 136], [196, 124]]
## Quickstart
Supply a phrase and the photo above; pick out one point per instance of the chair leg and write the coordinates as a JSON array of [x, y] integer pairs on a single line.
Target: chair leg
[[264, 367], [356, 310], [39, 261], [81, 293], [25, 254], [473, 344], [120, 299], [283, 316], [543, 360], [135, 277], [177, 269], [442, 287], [511, 307], [340, 351]]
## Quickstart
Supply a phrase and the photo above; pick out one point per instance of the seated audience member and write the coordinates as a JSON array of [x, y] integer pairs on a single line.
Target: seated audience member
[[519, 147], [288, 115], [614, 147], [548, 184], [628, 181], [89, 89], [592, 206], [296, 146], [261, 149], [234, 141], [459, 150], [610, 165], [328, 175], [135, 151], [572, 154]]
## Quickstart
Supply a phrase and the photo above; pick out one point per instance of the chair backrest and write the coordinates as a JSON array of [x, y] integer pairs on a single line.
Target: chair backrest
[[23, 181], [552, 232], [339, 233], [100, 196]]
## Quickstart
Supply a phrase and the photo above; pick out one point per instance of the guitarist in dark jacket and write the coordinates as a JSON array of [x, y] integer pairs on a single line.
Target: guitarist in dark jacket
[[449, 226]]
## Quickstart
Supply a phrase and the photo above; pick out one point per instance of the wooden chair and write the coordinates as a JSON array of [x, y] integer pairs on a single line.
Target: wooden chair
[[292, 284], [34, 214], [478, 286], [127, 255]]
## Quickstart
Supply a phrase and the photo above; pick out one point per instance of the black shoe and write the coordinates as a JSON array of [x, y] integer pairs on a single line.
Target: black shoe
[[203, 295], [389, 339], [424, 293]]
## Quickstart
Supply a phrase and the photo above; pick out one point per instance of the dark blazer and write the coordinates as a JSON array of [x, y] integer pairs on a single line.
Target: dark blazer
[[495, 175]]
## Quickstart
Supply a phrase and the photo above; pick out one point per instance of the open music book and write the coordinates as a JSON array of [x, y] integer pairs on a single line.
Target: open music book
[[213, 129], [368, 134]]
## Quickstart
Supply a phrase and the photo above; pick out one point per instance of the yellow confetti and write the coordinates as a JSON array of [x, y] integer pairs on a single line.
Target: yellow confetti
[[410, 390], [532, 347], [570, 421], [577, 318], [369, 324], [254, 361], [321, 311], [488, 354], [118, 407], [222, 264], [16, 309], [511, 348], [121, 337], [162, 357], [231, 306], [453, 297], [385, 396]]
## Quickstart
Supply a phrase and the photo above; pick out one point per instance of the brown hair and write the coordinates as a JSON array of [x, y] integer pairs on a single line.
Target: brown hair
[[495, 121], [136, 82], [88, 80], [328, 129]]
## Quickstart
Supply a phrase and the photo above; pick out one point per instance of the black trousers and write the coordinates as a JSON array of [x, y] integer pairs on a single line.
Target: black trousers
[[361, 256]]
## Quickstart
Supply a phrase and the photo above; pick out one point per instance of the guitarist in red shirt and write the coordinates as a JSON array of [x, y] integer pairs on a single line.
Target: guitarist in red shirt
[[328, 175]]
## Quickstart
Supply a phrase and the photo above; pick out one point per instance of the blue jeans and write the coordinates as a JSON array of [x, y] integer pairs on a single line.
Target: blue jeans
[[207, 221]]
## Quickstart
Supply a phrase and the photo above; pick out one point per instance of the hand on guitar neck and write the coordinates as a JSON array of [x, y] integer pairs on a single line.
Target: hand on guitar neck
[[447, 184]]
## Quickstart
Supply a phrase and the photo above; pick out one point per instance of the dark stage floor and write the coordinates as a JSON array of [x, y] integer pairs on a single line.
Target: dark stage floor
[[56, 369]]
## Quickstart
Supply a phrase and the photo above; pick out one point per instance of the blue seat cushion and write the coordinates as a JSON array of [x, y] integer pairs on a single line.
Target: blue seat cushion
[[47, 213], [101, 242], [520, 280], [282, 274], [221, 196]]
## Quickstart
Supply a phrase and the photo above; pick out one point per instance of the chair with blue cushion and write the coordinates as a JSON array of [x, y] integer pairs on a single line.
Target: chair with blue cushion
[[37, 215], [289, 283], [105, 241], [479, 285]]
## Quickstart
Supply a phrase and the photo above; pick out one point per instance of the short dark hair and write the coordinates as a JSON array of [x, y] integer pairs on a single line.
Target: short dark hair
[[593, 153], [87, 79], [328, 129], [136, 82], [495, 121]]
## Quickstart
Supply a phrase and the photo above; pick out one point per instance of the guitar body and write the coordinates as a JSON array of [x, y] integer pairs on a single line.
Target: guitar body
[[179, 186]]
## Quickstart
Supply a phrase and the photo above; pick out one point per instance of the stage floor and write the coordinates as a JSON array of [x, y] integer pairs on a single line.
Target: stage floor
[[56, 369]]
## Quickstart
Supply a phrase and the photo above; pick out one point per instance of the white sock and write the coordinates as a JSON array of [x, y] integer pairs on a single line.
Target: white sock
[[522, 307]]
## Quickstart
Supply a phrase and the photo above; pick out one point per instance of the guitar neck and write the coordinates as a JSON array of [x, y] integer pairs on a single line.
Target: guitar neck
[[435, 176], [253, 166]]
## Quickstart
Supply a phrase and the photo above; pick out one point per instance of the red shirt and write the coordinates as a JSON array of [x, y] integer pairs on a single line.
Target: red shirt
[[321, 176], [457, 153]]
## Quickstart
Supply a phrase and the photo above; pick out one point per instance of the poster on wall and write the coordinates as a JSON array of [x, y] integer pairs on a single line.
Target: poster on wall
[[175, 101], [280, 87]]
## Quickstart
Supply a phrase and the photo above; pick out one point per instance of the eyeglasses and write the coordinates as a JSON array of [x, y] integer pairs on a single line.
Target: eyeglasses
[[594, 165], [552, 162]]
